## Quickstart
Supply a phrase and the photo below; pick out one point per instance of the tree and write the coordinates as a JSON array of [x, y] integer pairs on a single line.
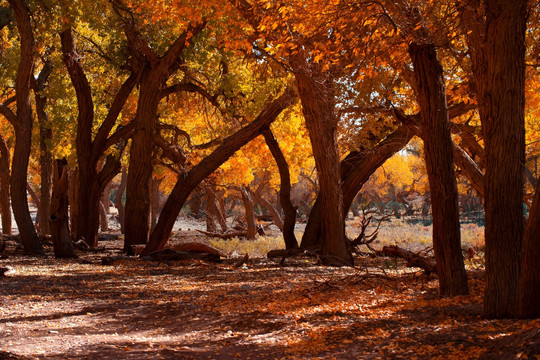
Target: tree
[[22, 122], [496, 37], [92, 179]]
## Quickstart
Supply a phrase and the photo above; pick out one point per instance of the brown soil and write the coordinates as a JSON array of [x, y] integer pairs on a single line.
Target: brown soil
[[135, 309]]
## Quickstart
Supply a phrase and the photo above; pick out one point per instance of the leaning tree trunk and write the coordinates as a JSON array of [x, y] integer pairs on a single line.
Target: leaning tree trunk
[[213, 209], [5, 206], [440, 169], [59, 222], [529, 280], [316, 93], [285, 191], [188, 182], [23, 132]]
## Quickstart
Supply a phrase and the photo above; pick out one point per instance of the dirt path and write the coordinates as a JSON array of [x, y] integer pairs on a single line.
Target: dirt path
[[133, 309]]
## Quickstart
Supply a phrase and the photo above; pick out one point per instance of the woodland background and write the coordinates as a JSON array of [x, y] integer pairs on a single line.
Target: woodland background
[[330, 120]]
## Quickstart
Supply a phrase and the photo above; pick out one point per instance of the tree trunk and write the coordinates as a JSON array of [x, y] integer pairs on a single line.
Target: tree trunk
[[105, 208], [140, 162], [356, 169], [59, 222], [214, 209], [119, 197], [276, 217], [250, 218], [45, 156], [5, 206], [440, 169], [529, 281], [103, 221], [23, 132], [284, 191], [186, 183], [496, 39], [316, 93]]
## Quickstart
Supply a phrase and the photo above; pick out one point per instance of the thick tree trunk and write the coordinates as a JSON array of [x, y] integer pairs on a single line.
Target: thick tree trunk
[[59, 222], [5, 206], [188, 182], [23, 132], [356, 169], [140, 162], [250, 217], [440, 168], [500, 79], [88, 195], [118, 199], [316, 93], [529, 280], [284, 191]]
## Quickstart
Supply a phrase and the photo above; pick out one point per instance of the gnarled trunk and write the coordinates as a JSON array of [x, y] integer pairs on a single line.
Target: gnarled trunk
[[23, 132], [59, 222], [186, 183], [118, 199], [250, 218]]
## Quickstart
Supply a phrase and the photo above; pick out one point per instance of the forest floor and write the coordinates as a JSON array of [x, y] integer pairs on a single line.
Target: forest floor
[[137, 309]]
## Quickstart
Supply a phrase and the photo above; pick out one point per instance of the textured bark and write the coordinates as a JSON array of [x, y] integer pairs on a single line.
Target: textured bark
[[186, 183], [250, 216], [45, 154], [276, 217], [5, 206], [289, 209], [431, 95], [496, 36], [529, 280], [59, 222], [316, 92], [157, 70], [90, 181], [23, 132], [213, 210], [356, 169]]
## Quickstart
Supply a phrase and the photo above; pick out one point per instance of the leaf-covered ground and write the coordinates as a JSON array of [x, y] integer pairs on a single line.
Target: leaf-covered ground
[[135, 309]]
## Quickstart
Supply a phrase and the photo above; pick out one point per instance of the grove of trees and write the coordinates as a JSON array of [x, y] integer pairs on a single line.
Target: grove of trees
[[199, 99]]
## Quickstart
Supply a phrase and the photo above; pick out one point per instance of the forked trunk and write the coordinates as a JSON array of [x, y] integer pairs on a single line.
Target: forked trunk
[[59, 222]]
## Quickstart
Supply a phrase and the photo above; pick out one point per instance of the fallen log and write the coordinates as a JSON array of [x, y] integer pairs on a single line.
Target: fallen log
[[413, 259], [172, 255], [195, 247]]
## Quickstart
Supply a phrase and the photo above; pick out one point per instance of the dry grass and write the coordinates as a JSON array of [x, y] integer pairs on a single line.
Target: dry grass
[[394, 232]]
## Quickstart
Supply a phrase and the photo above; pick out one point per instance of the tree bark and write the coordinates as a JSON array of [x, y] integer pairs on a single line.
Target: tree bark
[[440, 169], [214, 209], [250, 217], [23, 132], [45, 156], [187, 182], [496, 37], [5, 206], [59, 221], [289, 209], [316, 92], [529, 280], [356, 169], [90, 181]]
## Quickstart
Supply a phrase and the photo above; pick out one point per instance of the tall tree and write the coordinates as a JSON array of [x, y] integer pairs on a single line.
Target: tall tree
[[91, 179], [496, 37], [22, 122]]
